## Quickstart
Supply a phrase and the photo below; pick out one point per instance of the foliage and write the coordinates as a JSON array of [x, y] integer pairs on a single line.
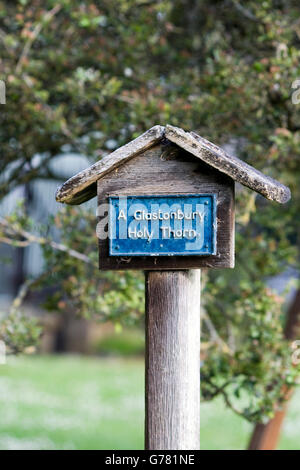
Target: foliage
[[20, 333], [80, 286], [256, 364], [89, 76]]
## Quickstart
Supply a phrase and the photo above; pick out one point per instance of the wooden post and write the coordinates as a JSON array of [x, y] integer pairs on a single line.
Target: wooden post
[[266, 436], [173, 360]]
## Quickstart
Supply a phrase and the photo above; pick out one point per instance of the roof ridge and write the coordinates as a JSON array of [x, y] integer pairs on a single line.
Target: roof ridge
[[74, 190], [83, 187]]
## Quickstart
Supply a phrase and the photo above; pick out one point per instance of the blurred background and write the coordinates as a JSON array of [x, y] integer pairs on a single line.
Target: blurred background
[[83, 78]]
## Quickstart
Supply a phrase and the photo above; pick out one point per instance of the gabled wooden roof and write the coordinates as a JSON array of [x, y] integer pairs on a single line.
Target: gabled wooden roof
[[82, 187]]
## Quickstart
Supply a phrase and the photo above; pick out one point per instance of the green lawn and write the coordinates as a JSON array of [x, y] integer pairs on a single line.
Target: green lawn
[[69, 402]]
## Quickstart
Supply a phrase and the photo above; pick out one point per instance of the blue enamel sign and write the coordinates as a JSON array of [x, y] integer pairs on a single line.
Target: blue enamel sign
[[178, 225]]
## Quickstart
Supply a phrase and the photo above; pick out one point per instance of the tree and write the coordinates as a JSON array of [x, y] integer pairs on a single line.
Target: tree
[[89, 76]]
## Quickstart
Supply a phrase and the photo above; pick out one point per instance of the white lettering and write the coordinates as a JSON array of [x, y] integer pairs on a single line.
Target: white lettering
[[160, 215], [116, 460], [296, 94], [122, 215], [168, 232], [144, 233]]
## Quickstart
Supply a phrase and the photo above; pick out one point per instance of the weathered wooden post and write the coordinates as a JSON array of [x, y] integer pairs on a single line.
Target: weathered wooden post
[[166, 206]]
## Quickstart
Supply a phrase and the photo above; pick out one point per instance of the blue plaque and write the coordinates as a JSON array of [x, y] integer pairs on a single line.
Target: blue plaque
[[181, 225]]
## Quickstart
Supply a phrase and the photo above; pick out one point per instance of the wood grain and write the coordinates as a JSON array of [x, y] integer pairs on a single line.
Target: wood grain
[[228, 164], [172, 360], [82, 187]]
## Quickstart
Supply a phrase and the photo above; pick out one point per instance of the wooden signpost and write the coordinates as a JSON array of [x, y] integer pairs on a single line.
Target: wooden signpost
[[166, 206]]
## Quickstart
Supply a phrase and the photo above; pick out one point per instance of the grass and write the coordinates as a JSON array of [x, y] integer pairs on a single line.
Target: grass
[[131, 342], [69, 402]]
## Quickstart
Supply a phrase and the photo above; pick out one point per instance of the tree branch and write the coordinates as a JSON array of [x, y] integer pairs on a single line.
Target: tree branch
[[244, 11], [29, 238], [214, 334], [38, 28]]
